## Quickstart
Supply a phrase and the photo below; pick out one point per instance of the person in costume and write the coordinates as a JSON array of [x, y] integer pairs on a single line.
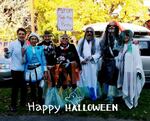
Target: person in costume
[[131, 77], [110, 47], [68, 65], [50, 54], [15, 52], [89, 53], [35, 68]]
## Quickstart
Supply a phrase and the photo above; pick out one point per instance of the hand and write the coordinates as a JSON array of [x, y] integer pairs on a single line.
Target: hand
[[88, 58], [84, 62], [135, 42], [139, 75]]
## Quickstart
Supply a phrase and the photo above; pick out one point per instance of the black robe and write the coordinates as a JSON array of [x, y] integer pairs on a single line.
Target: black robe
[[70, 54]]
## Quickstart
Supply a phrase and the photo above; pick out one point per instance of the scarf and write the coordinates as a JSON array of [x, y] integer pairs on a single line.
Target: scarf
[[93, 49]]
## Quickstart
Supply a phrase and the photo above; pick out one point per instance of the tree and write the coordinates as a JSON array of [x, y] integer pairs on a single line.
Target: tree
[[14, 14], [89, 11], [85, 12], [132, 11]]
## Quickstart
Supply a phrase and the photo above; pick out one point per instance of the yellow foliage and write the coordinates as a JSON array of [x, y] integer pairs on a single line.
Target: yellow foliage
[[87, 12]]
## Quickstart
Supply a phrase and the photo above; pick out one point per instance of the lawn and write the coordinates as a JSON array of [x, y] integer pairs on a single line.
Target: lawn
[[142, 112]]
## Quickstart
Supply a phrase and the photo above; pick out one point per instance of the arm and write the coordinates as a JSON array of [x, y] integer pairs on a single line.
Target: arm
[[8, 51], [96, 56], [78, 49], [44, 63], [76, 56]]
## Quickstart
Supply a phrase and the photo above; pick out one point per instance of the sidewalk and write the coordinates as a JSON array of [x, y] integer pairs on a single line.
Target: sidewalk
[[57, 118]]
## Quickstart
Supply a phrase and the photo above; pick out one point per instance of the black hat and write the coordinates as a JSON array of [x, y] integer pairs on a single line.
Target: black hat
[[46, 32]]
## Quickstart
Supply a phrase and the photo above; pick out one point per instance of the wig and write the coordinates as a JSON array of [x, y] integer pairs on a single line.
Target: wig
[[123, 35]]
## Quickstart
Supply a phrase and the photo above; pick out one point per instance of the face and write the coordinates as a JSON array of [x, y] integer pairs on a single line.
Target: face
[[111, 28], [126, 38], [33, 40], [47, 37], [64, 41], [89, 34], [21, 35]]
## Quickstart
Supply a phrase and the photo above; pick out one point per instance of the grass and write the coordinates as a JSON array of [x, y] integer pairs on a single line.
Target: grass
[[142, 112]]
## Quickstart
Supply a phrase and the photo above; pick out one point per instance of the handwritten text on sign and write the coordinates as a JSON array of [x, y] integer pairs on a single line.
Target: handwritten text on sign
[[65, 19]]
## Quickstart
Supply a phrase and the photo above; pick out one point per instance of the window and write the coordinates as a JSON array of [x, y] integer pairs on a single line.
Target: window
[[98, 33], [144, 48], [143, 45]]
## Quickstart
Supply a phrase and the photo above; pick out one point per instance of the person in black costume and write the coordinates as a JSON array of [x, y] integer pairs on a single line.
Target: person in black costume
[[69, 62], [110, 46], [50, 54]]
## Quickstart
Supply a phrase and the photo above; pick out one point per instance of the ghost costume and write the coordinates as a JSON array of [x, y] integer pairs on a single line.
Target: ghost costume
[[131, 76]]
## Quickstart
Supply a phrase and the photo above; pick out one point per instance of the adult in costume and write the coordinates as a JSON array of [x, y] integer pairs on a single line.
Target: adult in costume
[[16, 52], [110, 46], [35, 68], [131, 77], [50, 55], [68, 66], [89, 53]]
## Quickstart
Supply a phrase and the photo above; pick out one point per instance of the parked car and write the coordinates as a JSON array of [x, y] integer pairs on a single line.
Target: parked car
[[144, 45], [5, 72]]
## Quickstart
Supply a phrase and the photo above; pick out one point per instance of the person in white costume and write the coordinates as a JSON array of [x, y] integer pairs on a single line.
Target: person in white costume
[[131, 77], [89, 53]]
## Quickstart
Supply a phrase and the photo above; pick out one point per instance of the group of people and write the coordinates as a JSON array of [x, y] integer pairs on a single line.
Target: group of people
[[66, 73]]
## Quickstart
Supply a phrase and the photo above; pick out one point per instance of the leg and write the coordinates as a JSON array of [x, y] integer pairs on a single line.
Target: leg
[[15, 90], [73, 79], [40, 93], [33, 91], [63, 78], [23, 94]]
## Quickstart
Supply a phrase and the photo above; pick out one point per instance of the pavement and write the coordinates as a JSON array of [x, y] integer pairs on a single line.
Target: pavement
[[57, 118]]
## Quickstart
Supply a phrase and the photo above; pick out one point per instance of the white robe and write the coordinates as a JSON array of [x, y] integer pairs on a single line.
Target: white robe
[[88, 77], [129, 82]]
